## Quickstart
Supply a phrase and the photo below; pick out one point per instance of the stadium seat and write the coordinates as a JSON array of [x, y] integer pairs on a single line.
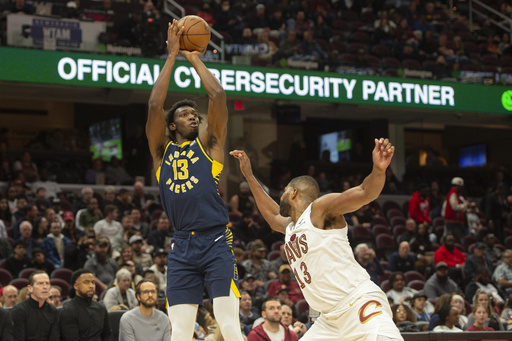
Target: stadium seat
[[398, 230], [394, 212], [362, 234], [465, 36], [416, 284], [19, 283], [439, 221], [348, 58], [63, 273], [471, 67], [361, 37], [380, 229], [357, 48], [372, 61], [62, 284], [387, 205], [385, 276], [341, 25], [385, 245], [25, 273], [468, 240], [273, 255], [398, 220], [390, 62], [384, 264], [276, 246], [349, 15], [380, 220], [384, 285], [490, 59], [301, 307], [508, 242], [506, 60], [5, 277], [2, 263], [114, 317], [340, 46], [381, 51], [413, 275], [411, 64], [490, 68]]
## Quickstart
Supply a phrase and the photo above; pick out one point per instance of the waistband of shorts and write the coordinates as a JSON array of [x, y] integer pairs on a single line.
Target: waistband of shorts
[[186, 234]]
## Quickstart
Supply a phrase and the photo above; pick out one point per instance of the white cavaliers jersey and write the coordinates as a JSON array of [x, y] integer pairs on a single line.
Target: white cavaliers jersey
[[324, 265]]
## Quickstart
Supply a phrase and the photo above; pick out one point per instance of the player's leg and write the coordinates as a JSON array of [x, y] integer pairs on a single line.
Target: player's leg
[[183, 319], [226, 310]]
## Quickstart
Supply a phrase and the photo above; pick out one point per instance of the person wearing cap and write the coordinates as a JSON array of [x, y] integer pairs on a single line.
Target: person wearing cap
[[101, 265], [439, 283], [160, 267], [476, 260], [158, 236], [69, 230], [89, 216], [8, 296], [243, 201], [123, 201], [418, 303], [285, 282], [257, 264], [140, 256], [454, 210], [54, 244], [19, 260], [40, 262]]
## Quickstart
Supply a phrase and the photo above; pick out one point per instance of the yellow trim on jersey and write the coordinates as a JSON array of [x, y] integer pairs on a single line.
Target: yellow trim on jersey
[[216, 165], [235, 289], [162, 162], [204, 152]]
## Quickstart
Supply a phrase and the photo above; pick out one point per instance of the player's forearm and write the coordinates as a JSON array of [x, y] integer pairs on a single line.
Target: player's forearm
[[210, 83], [268, 208], [373, 184], [161, 86]]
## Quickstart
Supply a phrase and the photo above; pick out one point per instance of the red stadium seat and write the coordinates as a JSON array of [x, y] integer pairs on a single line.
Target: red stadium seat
[[63, 273], [25, 273], [5, 277], [62, 284], [19, 283]]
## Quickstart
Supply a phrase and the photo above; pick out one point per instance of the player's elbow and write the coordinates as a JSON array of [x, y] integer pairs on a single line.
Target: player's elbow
[[218, 94]]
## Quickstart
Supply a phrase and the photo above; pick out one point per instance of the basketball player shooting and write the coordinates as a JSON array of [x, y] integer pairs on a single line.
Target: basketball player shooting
[[352, 307], [188, 166]]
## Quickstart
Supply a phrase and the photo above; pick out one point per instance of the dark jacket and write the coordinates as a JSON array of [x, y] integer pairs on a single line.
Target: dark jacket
[[83, 320], [258, 334], [5, 326], [15, 266], [32, 323]]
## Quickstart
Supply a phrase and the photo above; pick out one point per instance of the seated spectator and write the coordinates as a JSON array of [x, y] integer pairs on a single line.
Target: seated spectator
[[239, 258], [493, 253], [140, 198], [116, 173], [19, 260], [25, 164], [287, 319], [503, 273], [448, 319], [248, 313], [158, 236], [41, 202], [9, 296], [410, 231], [251, 285], [310, 50], [130, 266], [101, 265], [444, 299], [225, 19], [404, 318], [124, 201], [483, 298], [421, 245], [418, 303], [243, 201], [257, 265], [140, 256], [366, 257], [399, 293], [79, 203], [458, 302], [271, 313], [289, 47], [75, 255], [39, 261], [5, 215], [139, 226], [245, 230], [476, 260], [55, 297], [121, 293], [299, 24], [453, 257], [419, 205], [481, 316], [123, 235], [95, 175], [268, 48], [89, 216], [109, 197], [402, 260], [454, 210], [483, 281], [160, 267], [439, 283], [69, 230], [258, 21], [53, 246], [108, 227], [506, 313], [285, 282], [206, 13], [26, 237]]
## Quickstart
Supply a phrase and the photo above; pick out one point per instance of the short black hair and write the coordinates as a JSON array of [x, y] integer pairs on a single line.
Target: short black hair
[[35, 273], [169, 115], [19, 242], [137, 287], [307, 186], [393, 277], [268, 299], [79, 273]]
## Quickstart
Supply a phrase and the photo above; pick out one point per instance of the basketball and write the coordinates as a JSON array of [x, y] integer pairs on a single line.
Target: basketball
[[196, 34]]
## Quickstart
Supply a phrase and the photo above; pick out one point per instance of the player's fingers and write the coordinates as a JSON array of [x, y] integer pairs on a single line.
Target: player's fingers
[[384, 143]]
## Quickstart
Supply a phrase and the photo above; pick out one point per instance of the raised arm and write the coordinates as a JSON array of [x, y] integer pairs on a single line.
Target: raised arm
[[214, 136], [336, 204], [267, 206], [156, 126]]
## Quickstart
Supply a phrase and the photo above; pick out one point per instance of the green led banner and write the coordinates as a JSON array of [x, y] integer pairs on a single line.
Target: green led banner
[[68, 68]]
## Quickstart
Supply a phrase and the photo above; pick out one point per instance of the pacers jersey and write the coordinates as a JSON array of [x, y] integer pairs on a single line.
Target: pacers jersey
[[324, 265], [188, 179]]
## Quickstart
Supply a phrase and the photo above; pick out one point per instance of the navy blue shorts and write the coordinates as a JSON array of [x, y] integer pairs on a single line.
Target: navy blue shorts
[[198, 259]]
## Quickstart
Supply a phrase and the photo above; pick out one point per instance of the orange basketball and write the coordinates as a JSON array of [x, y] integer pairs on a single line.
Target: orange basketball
[[196, 34]]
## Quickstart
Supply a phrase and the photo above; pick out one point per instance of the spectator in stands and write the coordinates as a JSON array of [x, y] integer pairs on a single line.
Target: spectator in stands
[[239, 258], [271, 313], [121, 293], [448, 319], [253, 287], [402, 260], [439, 283], [418, 303], [503, 273], [101, 265], [248, 313], [410, 231], [384, 33], [454, 210], [110, 196], [140, 256], [366, 257], [41, 202], [483, 298], [285, 276], [19, 210], [25, 164], [145, 320], [82, 317], [493, 253], [95, 174], [40, 262], [243, 201], [69, 230], [157, 237], [310, 50], [53, 245], [108, 227], [289, 47], [26, 237], [29, 213], [299, 24], [404, 318], [392, 184], [34, 318], [123, 235], [82, 202], [55, 297], [5, 213], [257, 265], [268, 47], [130, 266], [9, 296], [287, 319], [124, 201], [496, 210], [160, 267], [277, 24], [258, 22], [141, 198], [116, 173], [89, 216], [206, 13], [225, 19], [399, 293], [246, 229], [19, 260], [139, 226], [450, 255], [476, 260], [458, 302], [75, 255], [481, 316], [20, 7], [436, 200], [419, 205], [421, 244]]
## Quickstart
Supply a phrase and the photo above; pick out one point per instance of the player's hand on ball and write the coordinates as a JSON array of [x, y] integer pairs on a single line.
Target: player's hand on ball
[[189, 54], [245, 162], [173, 38]]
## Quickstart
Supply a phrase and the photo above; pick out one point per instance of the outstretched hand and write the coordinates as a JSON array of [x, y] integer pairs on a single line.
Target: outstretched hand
[[174, 33], [382, 153], [190, 54], [245, 162]]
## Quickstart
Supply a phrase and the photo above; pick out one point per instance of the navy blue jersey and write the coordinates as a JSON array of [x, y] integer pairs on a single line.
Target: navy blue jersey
[[188, 180]]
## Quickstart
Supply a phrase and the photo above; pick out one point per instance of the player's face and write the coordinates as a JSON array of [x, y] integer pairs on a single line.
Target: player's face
[[148, 295], [186, 123], [273, 311], [85, 286], [285, 207]]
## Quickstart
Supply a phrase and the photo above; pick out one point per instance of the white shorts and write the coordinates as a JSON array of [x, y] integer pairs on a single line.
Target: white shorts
[[366, 318]]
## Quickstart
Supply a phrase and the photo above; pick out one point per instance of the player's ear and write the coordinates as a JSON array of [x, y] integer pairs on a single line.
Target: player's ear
[[294, 194]]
